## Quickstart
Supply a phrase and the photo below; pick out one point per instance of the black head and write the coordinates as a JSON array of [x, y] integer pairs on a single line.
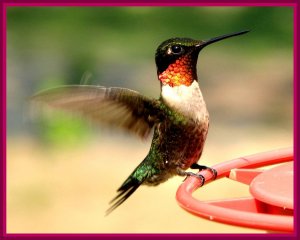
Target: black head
[[172, 49]]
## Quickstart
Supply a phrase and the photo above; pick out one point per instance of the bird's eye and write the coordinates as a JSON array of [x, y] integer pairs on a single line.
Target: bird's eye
[[176, 49]]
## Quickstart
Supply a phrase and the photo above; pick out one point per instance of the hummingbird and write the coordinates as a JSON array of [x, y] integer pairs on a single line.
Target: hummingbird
[[179, 117]]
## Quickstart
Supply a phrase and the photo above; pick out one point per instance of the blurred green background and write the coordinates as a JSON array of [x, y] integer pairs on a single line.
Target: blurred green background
[[62, 171]]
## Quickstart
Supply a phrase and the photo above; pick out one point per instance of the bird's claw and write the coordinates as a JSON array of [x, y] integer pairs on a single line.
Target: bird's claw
[[202, 178], [202, 167], [214, 173]]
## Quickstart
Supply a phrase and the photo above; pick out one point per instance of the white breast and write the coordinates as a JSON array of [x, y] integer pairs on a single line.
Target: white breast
[[186, 99]]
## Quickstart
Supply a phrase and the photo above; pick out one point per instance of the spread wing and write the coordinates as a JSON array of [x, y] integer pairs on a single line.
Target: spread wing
[[116, 107]]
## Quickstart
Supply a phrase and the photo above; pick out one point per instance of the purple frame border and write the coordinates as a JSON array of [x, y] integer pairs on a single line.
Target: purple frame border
[[21, 3]]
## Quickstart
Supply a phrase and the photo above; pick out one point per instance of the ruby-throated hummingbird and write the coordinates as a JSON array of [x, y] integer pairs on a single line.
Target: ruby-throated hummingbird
[[179, 117]]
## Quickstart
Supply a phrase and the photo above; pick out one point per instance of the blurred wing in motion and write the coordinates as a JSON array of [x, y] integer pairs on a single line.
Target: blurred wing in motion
[[116, 107]]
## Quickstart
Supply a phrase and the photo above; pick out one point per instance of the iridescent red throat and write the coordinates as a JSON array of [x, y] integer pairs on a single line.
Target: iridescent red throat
[[181, 72]]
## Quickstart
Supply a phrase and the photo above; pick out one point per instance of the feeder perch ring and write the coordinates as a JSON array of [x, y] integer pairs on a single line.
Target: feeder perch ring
[[271, 205]]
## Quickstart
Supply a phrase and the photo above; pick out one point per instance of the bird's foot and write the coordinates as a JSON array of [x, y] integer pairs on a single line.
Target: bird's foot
[[202, 178], [202, 167]]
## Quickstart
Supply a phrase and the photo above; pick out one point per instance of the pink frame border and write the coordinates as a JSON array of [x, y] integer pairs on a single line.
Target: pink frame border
[[32, 3]]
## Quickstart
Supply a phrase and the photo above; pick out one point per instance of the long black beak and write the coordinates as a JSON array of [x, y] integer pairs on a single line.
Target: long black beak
[[216, 39]]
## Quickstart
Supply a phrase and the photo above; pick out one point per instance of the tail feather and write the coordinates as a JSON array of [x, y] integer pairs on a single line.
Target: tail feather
[[125, 191], [139, 175]]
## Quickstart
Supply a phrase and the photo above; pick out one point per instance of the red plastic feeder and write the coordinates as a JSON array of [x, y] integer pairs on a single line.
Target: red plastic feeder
[[271, 205]]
